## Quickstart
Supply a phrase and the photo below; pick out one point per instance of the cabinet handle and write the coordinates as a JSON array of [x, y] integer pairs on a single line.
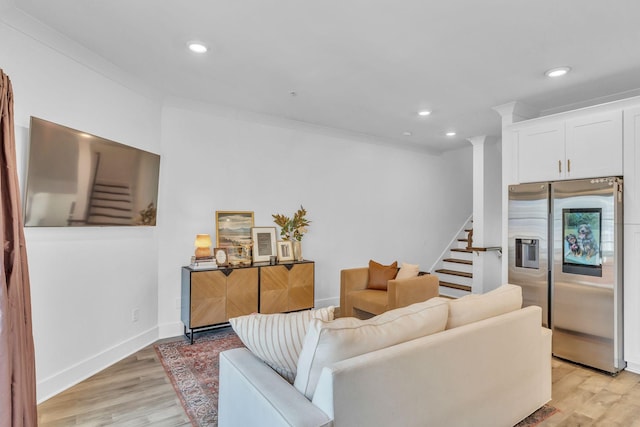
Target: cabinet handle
[[568, 165], [559, 166]]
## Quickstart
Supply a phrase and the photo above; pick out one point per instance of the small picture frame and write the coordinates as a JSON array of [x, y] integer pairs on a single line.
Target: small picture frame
[[285, 251], [264, 243], [221, 256]]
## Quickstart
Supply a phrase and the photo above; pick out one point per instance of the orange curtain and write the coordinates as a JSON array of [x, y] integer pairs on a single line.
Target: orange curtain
[[17, 359]]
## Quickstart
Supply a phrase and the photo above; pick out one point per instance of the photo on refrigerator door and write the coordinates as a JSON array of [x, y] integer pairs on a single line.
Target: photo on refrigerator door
[[581, 233]]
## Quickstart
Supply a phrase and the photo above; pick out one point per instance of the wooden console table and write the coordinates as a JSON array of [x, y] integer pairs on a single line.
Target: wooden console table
[[210, 297]]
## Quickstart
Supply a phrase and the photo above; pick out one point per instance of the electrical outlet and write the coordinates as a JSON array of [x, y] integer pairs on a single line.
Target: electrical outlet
[[135, 315]]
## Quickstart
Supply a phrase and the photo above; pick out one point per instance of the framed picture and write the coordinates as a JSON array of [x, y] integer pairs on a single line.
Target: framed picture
[[264, 243], [285, 251], [233, 231], [221, 256]]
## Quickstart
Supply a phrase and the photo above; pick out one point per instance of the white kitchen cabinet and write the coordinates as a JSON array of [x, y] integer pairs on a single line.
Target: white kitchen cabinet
[[632, 166], [631, 293], [594, 145], [583, 146], [540, 151]]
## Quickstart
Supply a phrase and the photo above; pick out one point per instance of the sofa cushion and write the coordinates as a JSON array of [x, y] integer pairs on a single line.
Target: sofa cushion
[[370, 300], [380, 274], [407, 271], [277, 338], [329, 342], [472, 308]]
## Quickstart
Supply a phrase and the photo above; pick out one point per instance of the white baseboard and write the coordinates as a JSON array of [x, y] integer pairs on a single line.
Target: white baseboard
[[326, 302], [633, 367], [168, 330], [72, 375]]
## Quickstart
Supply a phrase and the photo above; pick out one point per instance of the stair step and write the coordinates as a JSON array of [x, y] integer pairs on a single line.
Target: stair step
[[458, 261], [455, 273], [463, 240], [468, 229], [456, 286], [461, 250]]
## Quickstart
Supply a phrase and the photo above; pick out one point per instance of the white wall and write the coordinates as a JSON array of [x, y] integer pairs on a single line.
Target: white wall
[[85, 282], [366, 200]]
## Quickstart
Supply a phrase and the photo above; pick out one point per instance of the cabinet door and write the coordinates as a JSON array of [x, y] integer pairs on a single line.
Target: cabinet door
[[301, 286], [242, 292], [208, 298], [274, 289], [632, 166], [594, 145], [541, 152], [631, 294]]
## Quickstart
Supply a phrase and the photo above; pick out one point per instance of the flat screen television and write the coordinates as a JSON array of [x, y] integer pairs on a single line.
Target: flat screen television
[[581, 253], [77, 179]]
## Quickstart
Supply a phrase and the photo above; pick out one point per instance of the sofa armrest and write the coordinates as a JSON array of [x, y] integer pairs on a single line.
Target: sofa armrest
[[351, 279], [253, 394], [403, 292]]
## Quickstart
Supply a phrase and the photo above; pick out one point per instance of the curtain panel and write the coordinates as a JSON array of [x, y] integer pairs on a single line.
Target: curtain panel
[[18, 406]]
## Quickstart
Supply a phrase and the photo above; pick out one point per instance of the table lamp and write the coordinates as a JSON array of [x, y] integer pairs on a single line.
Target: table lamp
[[203, 246]]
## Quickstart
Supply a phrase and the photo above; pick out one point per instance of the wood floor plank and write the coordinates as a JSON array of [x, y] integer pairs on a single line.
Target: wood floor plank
[[136, 392]]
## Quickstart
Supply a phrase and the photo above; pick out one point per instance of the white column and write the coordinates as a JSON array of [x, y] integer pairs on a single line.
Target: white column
[[511, 112], [487, 209]]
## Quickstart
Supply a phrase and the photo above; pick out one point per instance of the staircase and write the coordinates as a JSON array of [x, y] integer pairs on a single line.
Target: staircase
[[110, 204], [455, 268]]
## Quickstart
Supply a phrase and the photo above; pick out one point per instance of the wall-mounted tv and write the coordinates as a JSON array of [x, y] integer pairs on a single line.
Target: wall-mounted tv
[[77, 179]]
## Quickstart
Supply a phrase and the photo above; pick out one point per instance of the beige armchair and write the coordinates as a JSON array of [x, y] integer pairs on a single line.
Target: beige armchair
[[358, 301]]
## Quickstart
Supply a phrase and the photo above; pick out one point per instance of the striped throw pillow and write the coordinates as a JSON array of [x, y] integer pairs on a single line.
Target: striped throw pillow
[[277, 338]]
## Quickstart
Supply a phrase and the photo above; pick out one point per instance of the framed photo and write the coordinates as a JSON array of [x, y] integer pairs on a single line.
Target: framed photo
[[264, 243], [285, 251], [233, 231], [221, 256]]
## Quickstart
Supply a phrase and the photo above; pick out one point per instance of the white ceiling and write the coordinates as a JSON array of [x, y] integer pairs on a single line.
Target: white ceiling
[[366, 66]]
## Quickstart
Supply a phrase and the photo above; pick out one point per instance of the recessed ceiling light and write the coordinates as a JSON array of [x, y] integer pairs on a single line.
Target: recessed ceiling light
[[424, 113], [407, 133], [197, 47], [557, 72], [450, 134]]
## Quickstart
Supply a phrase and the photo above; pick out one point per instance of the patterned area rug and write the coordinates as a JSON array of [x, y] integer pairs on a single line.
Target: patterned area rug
[[193, 370], [537, 417]]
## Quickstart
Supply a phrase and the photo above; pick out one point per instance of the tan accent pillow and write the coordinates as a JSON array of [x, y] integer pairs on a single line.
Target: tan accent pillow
[[407, 271], [380, 274], [329, 342], [277, 338], [472, 308]]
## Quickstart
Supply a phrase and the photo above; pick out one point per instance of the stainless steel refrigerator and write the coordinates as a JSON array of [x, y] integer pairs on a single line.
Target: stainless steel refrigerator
[[565, 250]]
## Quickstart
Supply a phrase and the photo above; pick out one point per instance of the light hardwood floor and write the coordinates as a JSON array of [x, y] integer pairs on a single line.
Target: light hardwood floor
[[137, 392]]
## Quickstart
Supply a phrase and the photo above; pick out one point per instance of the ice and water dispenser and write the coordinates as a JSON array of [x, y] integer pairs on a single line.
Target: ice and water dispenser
[[527, 253]]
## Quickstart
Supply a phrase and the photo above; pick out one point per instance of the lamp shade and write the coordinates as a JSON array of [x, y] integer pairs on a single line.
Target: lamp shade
[[203, 245]]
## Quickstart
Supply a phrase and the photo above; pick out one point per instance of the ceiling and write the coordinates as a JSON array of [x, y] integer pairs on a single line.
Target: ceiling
[[366, 66]]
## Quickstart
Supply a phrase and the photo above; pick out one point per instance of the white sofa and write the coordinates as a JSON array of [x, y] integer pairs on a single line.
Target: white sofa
[[492, 372]]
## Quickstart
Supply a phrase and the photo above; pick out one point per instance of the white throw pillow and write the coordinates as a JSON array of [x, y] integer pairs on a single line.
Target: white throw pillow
[[277, 338], [329, 342], [472, 308], [408, 271]]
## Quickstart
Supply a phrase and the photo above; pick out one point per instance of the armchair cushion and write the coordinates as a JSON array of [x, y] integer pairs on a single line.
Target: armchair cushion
[[407, 271], [380, 274], [370, 300]]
